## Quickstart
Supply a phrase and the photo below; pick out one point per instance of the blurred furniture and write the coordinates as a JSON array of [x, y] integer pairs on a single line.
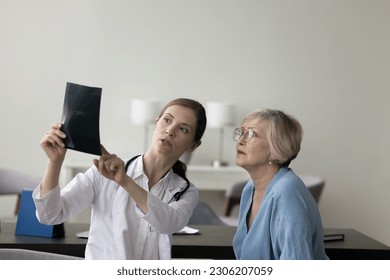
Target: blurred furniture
[[220, 115], [213, 242], [204, 177], [204, 215], [143, 112], [233, 196], [23, 254], [315, 185], [14, 182]]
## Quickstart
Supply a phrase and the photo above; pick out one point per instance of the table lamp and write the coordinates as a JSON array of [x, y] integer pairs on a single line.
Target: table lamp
[[220, 115], [144, 112]]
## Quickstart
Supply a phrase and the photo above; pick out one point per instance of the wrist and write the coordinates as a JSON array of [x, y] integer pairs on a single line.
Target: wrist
[[125, 182], [55, 164]]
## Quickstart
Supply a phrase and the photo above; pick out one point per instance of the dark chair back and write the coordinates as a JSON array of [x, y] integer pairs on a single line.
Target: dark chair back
[[204, 215]]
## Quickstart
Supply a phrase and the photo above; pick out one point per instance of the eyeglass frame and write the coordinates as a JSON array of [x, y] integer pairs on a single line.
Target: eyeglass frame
[[247, 138]]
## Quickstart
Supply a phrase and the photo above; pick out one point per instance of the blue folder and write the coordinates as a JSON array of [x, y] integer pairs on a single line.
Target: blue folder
[[28, 224]]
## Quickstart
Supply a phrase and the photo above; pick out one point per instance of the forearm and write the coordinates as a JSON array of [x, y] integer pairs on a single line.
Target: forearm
[[51, 178], [138, 194]]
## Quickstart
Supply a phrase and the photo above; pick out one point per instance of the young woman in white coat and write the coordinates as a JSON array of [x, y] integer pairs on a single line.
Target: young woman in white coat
[[137, 204]]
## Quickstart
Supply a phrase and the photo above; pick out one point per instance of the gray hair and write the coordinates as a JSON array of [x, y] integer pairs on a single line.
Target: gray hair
[[284, 134]]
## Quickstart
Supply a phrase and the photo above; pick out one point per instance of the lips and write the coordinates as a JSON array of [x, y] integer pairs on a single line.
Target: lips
[[241, 152], [166, 142]]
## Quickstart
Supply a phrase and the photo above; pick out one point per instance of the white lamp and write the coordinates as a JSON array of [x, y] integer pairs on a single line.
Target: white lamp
[[144, 112], [220, 115]]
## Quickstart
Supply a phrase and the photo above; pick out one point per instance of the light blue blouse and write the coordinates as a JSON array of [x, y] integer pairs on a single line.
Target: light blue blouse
[[287, 226]]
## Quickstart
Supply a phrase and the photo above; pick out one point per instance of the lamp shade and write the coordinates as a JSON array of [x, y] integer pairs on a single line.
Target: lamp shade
[[220, 114], [144, 111]]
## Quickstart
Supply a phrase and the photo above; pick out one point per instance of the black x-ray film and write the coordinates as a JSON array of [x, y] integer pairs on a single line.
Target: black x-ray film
[[80, 118]]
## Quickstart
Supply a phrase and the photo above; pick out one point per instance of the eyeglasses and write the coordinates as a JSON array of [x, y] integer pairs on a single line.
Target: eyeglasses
[[238, 132]]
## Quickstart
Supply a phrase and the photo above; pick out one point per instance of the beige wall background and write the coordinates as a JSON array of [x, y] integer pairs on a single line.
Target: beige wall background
[[326, 62]]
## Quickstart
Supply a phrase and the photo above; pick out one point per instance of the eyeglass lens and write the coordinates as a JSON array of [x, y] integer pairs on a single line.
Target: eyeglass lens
[[238, 132]]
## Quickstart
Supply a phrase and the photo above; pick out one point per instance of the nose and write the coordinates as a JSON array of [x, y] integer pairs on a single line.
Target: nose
[[169, 131], [241, 141]]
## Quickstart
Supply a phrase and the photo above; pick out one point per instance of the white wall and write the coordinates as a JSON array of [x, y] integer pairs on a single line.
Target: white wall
[[326, 62]]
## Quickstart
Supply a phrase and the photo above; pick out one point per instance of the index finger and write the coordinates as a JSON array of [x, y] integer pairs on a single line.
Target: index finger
[[104, 151]]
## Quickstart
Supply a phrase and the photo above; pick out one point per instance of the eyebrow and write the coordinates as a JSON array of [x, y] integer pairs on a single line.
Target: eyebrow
[[251, 127], [183, 123]]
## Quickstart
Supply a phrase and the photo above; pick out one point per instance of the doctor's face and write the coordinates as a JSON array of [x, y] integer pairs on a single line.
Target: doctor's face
[[175, 130]]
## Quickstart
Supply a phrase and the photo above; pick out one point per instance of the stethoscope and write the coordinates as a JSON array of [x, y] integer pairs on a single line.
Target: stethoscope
[[177, 195]]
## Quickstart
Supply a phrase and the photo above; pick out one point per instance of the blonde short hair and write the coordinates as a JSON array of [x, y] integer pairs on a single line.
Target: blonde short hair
[[284, 134]]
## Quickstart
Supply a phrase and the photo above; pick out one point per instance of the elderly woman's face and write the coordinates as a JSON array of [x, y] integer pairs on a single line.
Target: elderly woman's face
[[256, 151]]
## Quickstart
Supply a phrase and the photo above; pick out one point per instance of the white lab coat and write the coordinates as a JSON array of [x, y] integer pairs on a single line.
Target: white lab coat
[[118, 229]]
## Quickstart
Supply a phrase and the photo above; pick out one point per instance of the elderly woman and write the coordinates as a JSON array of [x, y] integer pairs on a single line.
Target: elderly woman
[[279, 218]]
